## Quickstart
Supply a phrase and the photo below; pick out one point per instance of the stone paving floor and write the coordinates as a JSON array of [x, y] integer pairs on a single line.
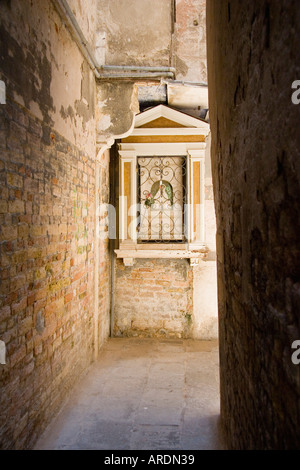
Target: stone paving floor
[[143, 394]]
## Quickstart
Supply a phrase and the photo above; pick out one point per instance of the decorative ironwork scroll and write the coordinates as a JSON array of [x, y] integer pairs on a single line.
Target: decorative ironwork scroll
[[161, 192]]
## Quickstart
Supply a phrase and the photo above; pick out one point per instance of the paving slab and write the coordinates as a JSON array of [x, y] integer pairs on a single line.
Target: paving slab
[[148, 394]]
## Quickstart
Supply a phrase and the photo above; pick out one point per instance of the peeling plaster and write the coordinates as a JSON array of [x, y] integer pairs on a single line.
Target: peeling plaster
[[23, 68], [117, 104]]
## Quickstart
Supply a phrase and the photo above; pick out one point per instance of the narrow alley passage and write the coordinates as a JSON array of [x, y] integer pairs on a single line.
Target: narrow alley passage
[[143, 394]]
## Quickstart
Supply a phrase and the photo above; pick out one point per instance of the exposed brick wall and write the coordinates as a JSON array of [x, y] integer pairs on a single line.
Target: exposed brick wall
[[253, 59], [153, 298], [46, 270], [190, 41]]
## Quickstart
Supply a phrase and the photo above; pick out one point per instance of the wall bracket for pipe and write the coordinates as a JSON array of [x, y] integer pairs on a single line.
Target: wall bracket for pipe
[[106, 72]]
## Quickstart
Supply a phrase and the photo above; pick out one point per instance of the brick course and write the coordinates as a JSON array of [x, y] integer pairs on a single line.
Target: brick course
[[153, 299], [47, 273]]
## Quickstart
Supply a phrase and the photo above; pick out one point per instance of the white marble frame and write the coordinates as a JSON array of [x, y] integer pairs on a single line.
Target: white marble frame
[[194, 152]]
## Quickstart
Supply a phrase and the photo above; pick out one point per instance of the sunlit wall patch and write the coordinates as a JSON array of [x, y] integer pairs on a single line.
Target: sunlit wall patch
[[2, 92], [2, 353]]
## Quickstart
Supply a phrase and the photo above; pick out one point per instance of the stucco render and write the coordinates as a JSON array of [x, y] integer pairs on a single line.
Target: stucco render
[[86, 14], [41, 52], [136, 33]]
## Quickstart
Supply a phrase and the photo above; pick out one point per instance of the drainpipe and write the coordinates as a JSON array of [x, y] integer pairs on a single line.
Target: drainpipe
[[97, 264], [112, 243], [106, 71], [131, 71], [136, 68], [67, 16]]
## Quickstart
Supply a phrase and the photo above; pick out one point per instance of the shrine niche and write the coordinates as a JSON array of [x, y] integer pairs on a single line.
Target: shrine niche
[[162, 193]]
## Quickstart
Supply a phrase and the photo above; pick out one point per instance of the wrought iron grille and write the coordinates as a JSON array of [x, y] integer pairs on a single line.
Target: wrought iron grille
[[161, 193]]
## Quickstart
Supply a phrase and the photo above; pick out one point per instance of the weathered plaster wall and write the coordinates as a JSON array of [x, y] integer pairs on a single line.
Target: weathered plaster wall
[[205, 305], [86, 14], [136, 32], [189, 47], [145, 33], [205, 302], [45, 72], [48, 248], [117, 104], [253, 59]]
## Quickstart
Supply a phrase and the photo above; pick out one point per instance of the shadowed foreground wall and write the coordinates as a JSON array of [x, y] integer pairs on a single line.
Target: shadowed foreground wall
[[253, 58]]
